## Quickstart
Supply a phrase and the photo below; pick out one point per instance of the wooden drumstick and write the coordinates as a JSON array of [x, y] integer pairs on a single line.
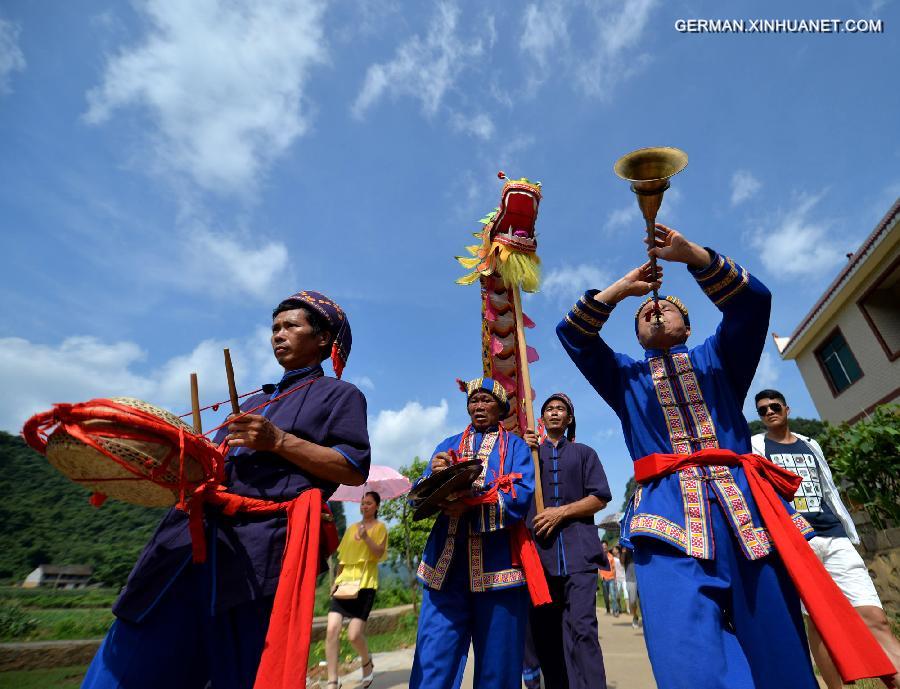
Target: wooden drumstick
[[195, 405], [232, 388]]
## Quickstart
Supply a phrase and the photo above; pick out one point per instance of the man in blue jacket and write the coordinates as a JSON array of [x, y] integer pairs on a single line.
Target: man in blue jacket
[[474, 589], [574, 488], [720, 609]]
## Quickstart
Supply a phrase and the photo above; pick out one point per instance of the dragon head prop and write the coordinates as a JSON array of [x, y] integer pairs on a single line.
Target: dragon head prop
[[508, 242]]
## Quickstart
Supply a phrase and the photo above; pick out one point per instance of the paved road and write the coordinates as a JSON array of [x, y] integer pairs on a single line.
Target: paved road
[[624, 654]]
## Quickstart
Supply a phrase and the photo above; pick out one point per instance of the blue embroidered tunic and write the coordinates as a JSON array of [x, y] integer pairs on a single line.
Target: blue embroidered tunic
[[569, 472], [481, 535], [683, 400], [245, 550]]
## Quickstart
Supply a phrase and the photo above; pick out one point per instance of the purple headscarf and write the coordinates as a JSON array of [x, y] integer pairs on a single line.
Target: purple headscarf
[[337, 321]]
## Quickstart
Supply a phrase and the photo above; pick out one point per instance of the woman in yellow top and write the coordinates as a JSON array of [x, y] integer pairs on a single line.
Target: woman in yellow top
[[364, 545]]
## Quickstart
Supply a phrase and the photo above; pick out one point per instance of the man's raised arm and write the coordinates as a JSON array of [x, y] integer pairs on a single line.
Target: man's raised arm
[[744, 301], [579, 331]]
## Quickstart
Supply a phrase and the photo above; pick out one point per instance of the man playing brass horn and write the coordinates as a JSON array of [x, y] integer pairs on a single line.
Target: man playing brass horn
[[720, 610]]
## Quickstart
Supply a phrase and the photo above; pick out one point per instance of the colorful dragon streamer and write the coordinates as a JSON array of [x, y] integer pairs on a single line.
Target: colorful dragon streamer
[[505, 261]]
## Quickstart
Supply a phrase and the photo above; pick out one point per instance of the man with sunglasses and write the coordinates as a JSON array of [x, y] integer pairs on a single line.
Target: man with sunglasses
[[818, 501]]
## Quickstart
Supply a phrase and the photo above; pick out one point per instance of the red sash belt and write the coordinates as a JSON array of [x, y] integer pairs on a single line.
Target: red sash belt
[[523, 546], [286, 651], [851, 645]]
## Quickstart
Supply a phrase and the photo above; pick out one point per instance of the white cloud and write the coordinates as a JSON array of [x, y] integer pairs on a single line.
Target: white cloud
[[203, 254], [623, 217], [223, 82], [208, 258], [544, 32], [567, 282], [11, 57], [423, 68], [413, 431], [370, 18], [797, 246], [479, 125], [743, 186], [596, 66], [36, 375], [363, 382]]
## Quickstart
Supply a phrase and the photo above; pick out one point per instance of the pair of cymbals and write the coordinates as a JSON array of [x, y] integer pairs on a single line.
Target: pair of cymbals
[[428, 495]]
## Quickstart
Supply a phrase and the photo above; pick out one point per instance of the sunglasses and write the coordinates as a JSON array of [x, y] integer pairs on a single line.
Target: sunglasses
[[774, 406]]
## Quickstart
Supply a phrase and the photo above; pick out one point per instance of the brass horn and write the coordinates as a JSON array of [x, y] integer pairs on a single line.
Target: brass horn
[[649, 170]]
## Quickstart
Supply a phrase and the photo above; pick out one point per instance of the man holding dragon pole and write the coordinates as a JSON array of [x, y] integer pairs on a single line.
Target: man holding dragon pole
[[480, 557], [473, 571]]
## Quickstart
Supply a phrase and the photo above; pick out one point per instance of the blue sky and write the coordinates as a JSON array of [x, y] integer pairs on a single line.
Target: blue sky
[[171, 170]]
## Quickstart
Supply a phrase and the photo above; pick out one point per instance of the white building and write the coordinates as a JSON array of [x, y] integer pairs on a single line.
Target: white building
[[848, 346], [59, 577]]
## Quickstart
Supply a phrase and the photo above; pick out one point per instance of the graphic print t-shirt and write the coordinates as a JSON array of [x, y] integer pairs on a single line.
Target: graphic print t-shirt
[[798, 458]]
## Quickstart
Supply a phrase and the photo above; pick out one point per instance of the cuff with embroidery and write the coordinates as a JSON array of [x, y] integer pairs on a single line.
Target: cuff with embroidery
[[721, 279], [588, 315]]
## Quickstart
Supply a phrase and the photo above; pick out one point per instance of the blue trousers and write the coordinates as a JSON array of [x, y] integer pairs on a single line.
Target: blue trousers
[[726, 623], [494, 623], [610, 596], [565, 634], [181, 644]]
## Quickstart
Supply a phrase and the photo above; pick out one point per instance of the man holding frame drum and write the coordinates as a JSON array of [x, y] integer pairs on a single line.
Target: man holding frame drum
[[186, 625]]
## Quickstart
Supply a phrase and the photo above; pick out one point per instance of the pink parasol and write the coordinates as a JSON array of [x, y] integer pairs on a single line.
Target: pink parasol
[[388, 483]]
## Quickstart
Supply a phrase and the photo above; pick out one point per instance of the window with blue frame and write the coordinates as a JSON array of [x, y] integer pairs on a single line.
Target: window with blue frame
[[838, 363]]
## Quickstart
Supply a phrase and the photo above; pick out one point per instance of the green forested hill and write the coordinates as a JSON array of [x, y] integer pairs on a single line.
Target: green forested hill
[[46, 519]]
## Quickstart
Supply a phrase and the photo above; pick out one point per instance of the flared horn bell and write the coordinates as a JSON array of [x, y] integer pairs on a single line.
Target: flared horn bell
[[649, 170]]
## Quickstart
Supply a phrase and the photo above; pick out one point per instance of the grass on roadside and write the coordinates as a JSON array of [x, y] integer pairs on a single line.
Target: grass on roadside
[[53, 678], [403, 636], [57, 625], [48, 615], [58, 598]]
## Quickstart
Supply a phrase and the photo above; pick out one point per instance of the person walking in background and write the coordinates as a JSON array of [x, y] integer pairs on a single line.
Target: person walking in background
[[608, 582], [621, 597], [818, 500], [631, 589], [363, 546]]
